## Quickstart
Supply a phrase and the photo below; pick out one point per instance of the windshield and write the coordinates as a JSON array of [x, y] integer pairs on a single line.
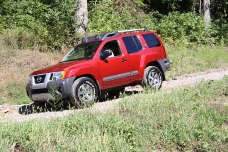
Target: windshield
[[81, 52]]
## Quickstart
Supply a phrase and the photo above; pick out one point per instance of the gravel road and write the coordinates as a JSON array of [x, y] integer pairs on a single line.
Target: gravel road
[[13, 112]]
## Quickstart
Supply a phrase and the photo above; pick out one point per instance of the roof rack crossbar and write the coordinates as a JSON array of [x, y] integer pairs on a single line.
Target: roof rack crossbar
[[110, 34], [133, 30]]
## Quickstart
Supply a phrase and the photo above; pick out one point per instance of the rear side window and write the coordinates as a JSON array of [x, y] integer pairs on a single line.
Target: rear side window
[[132, 44], [151, 40]]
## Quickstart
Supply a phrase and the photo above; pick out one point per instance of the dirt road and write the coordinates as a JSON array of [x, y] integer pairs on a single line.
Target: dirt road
[[16, 112]]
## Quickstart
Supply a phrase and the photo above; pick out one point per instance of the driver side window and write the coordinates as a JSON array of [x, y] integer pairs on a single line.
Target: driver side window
[[112, 46]]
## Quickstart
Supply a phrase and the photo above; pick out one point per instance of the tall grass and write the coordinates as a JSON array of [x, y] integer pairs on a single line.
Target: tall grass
[[181, 120], [194, 58], [15, 67], [186, 119]]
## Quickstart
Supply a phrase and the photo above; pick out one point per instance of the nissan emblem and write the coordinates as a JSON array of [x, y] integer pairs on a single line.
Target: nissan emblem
[[39, 79]]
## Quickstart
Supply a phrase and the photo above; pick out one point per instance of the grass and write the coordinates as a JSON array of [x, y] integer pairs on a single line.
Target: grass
[[184, 120], [181, 120], [185, 60], [15, 67]]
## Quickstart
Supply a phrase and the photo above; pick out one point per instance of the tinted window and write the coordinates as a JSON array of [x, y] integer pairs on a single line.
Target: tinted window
[[132, 44], [151, 40], [137, 42]]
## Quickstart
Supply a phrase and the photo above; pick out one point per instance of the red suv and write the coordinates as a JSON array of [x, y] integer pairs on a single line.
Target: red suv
[[102, 63]]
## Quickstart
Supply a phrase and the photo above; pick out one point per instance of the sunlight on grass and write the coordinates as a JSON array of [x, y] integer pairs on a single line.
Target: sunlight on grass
[[195, 59], [181, 120]]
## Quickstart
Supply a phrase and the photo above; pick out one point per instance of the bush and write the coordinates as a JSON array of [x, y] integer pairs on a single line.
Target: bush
[[19, 38], [219, 30], [111, 16], [185, 27], [52, 23], [49, 23]]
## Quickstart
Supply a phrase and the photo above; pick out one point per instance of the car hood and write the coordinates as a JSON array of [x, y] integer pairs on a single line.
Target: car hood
[[58, 67]]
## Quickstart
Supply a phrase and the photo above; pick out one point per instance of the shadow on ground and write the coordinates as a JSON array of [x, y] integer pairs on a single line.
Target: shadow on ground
[[45, 107]]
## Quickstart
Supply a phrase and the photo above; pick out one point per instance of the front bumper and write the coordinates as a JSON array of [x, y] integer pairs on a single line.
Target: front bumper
[[49, 89]]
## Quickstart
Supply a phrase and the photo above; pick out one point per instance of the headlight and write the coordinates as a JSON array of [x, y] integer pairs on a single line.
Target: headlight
[[59, 75]]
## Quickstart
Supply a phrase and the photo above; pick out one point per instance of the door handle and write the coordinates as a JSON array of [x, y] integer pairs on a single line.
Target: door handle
[[123, 60]]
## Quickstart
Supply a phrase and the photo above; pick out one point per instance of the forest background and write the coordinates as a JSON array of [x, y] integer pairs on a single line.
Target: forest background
[[52, 24]]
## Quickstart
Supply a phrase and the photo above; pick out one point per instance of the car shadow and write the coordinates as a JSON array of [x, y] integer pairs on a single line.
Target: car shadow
[[45, 107], [31, 108], [105, 97]]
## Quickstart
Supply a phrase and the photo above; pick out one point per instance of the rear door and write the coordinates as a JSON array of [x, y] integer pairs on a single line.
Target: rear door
[[134, 48]]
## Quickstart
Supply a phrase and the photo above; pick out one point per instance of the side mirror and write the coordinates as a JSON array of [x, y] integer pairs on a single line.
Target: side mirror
[[105, 54]]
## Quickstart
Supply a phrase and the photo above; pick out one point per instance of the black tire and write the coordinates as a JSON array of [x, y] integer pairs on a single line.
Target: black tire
[[152, 77], [84, 92], [115, 93]]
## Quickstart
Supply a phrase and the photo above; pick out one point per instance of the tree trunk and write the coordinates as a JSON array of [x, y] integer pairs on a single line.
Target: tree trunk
[[81, 17], [207, 16]]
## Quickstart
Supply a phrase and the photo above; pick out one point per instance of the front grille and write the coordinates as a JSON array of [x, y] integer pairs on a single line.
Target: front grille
[[37, 91], [39, 79]]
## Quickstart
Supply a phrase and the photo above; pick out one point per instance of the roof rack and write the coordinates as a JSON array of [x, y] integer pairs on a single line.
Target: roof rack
[[110, 34], [99, 37], [133, 30]]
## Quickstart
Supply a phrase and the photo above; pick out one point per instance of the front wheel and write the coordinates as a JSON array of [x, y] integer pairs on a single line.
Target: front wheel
[[84, 92], [152, 77]]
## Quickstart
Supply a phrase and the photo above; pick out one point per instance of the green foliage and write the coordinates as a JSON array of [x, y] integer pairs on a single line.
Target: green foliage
[[182, 27], [15, 93], [110, 17], [24, 17], [219, 32], [49, 23], [184, 120], [56, 103], [61, 22], [195, 58], [71, 134], [52, 23], [19, 38]]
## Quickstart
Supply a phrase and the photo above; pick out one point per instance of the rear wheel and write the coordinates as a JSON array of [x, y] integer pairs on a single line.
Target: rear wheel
[[152, 77], [84, 92]]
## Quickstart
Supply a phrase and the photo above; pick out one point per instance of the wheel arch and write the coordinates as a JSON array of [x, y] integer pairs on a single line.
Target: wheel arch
[[157, 64], [91, 77]]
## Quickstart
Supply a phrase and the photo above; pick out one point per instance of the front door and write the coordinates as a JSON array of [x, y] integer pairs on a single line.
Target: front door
[[113, 69]]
